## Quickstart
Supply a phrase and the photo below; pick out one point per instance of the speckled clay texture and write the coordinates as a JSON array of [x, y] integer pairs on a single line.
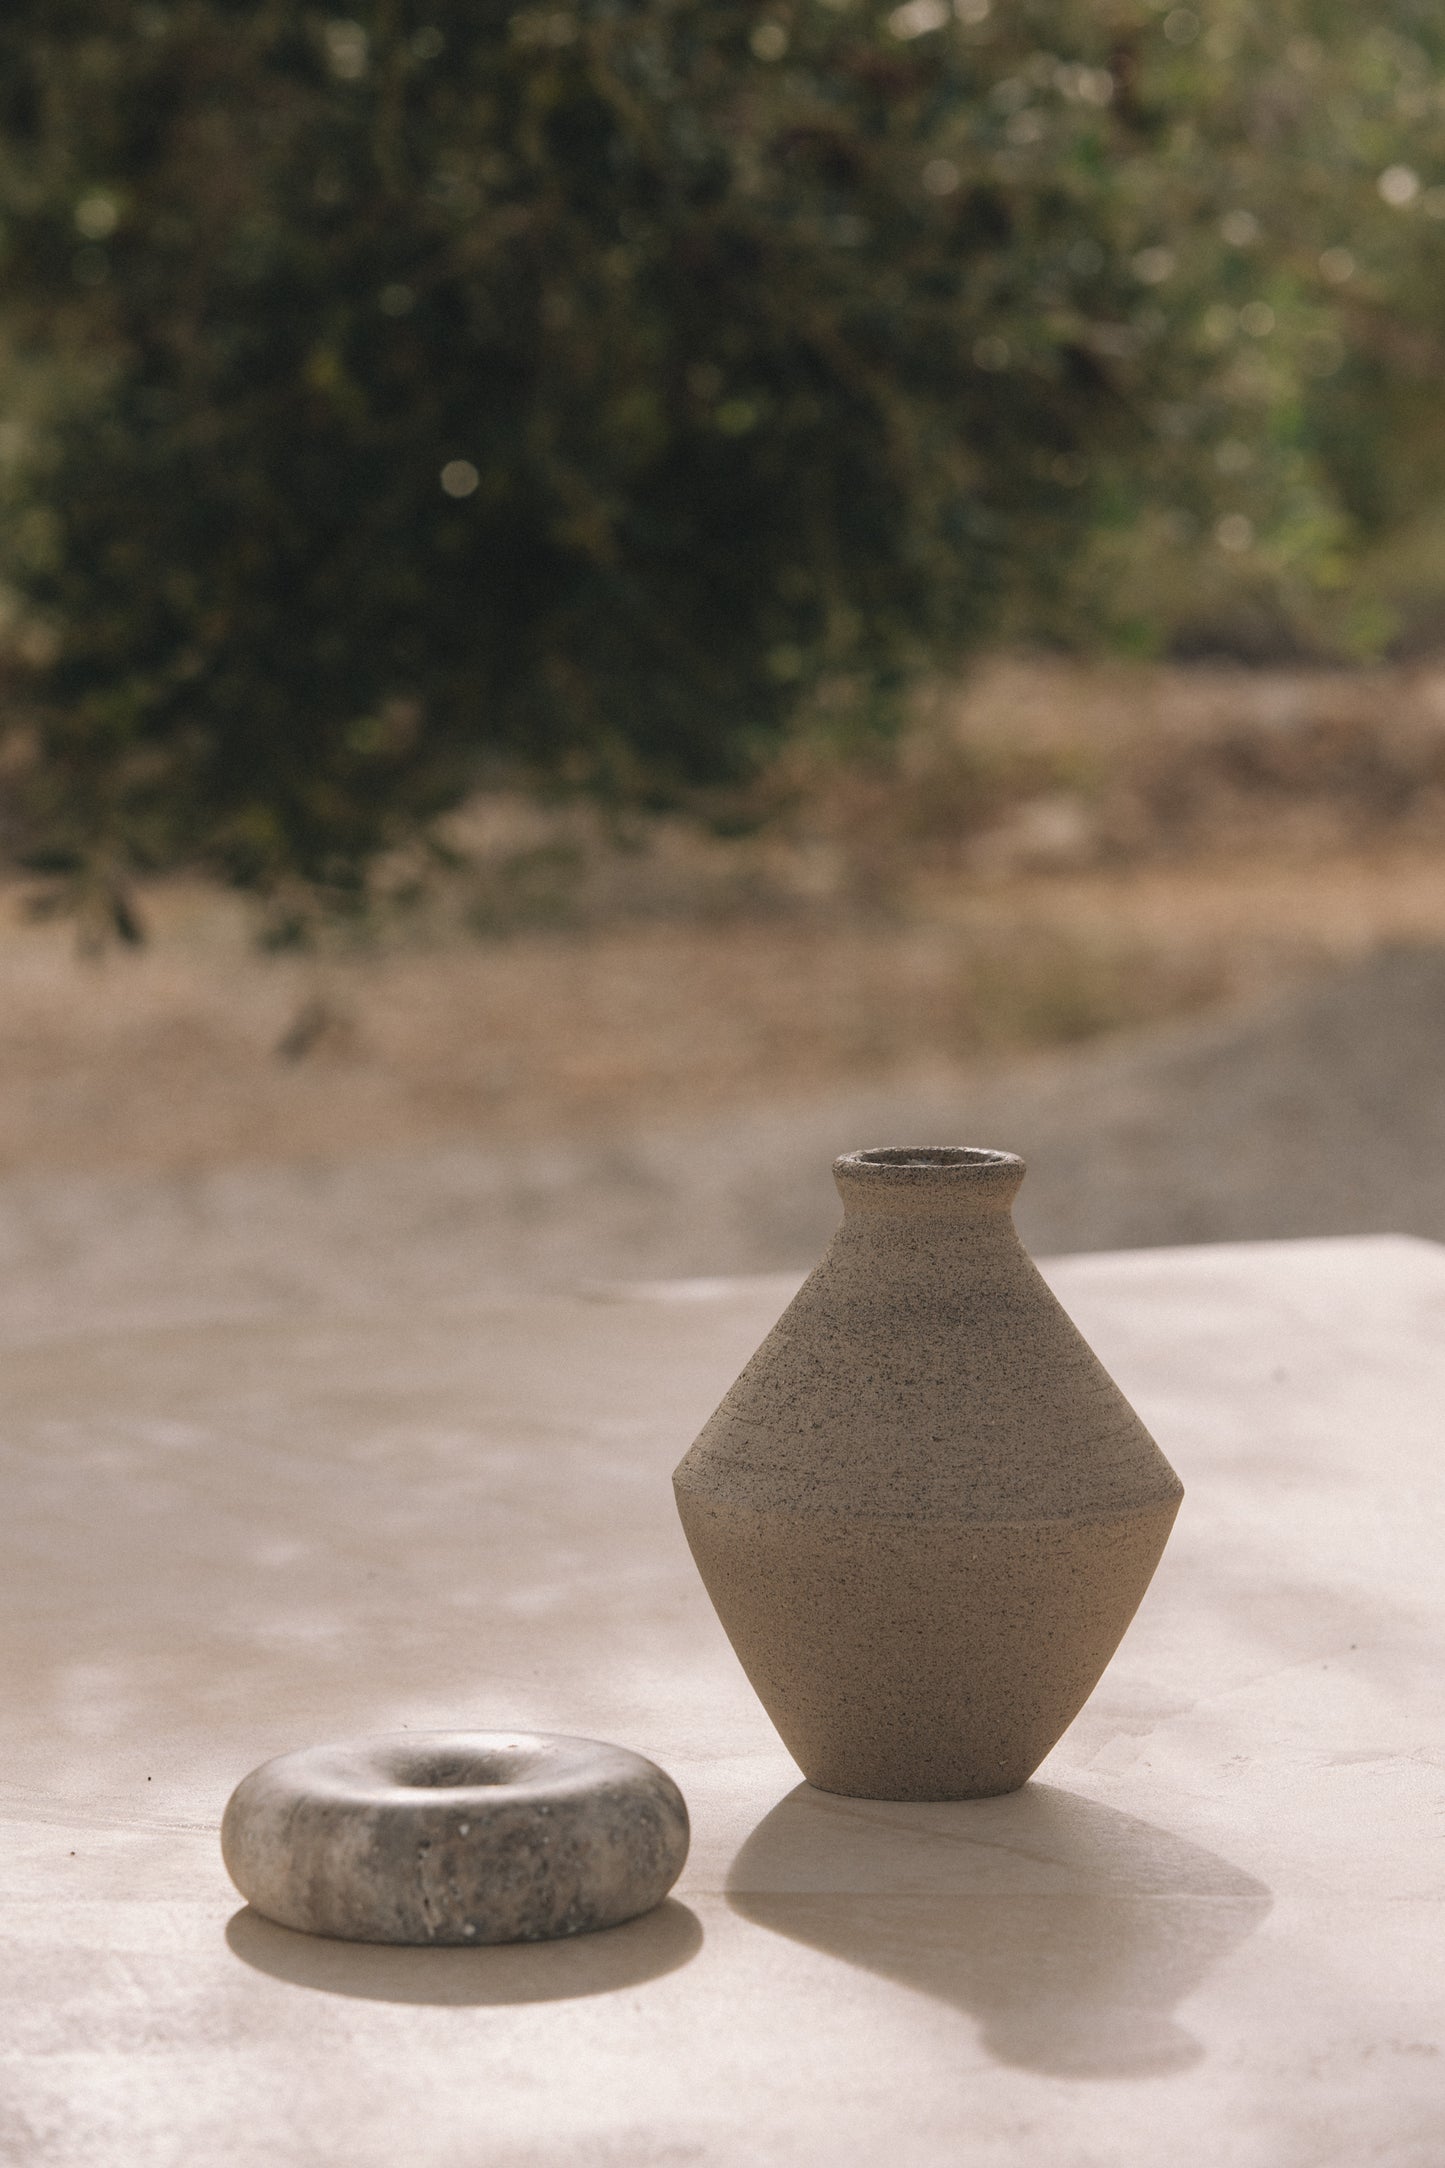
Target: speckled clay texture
[[455, 1837], [925, 1513]]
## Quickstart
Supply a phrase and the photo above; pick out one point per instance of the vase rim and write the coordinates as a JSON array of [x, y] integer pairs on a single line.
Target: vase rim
[[915, 1163]]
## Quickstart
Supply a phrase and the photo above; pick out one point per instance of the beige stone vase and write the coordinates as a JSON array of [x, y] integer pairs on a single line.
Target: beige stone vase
[[925, 1513]]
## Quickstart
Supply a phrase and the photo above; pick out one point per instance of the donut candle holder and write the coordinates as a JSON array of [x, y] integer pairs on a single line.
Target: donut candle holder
[[455, 1837]]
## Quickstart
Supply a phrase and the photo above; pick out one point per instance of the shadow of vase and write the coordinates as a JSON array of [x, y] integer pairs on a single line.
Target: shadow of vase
[[511, 1972], [1068, 1931]]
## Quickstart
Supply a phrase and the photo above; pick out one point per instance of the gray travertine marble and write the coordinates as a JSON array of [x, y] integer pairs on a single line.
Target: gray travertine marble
[[455, 1837]]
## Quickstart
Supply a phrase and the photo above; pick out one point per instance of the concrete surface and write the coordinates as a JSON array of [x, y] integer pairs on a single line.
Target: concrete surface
[[1209, 1933]]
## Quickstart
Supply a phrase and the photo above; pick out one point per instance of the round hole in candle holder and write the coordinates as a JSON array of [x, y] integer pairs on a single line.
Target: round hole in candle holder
[[455, 1837]]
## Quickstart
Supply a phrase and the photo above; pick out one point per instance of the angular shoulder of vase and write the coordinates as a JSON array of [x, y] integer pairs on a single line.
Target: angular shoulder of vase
[[970, 1399]]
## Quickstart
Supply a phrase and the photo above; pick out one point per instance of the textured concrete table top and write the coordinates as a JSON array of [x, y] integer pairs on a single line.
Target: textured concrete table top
[[1210, 1933]]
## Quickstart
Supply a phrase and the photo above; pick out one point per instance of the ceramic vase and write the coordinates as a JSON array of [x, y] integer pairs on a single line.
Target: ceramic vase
[[924, 1512]]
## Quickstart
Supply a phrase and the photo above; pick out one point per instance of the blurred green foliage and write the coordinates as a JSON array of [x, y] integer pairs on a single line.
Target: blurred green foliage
[[1326, 535], [608, 389]]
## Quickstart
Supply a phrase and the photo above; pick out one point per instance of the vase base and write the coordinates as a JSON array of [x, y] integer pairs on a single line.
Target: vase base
[[907, 1661], [911, 1797]]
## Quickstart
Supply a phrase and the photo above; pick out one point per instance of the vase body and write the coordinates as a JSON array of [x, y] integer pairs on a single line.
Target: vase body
[[925, 1513]]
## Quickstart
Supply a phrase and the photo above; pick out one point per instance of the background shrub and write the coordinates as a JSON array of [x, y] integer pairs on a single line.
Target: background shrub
[[604, 390]]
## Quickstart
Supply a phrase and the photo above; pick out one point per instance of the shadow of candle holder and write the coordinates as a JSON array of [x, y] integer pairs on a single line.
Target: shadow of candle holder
[[1068, 1931], [509, 1972]]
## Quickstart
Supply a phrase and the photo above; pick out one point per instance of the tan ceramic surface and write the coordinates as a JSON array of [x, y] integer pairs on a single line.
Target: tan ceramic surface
[[1208, 1933], [925, 1512]]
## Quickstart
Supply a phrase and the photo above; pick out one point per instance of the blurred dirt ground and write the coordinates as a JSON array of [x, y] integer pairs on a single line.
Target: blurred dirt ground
[[1104, 914], [196, 1052]]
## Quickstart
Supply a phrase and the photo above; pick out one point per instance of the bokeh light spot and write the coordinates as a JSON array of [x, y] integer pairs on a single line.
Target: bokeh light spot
[[735, 417], [1239, 228], [346, 50], [1153, 265], [97, 216], [1399, 186], [1234, 533], [917, 17]]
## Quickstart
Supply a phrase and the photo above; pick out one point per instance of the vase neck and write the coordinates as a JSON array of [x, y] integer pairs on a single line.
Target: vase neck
[[949, 1181]]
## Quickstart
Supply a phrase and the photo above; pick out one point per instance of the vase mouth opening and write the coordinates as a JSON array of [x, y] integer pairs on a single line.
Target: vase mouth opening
[[933, 1158], [931, 1168]]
